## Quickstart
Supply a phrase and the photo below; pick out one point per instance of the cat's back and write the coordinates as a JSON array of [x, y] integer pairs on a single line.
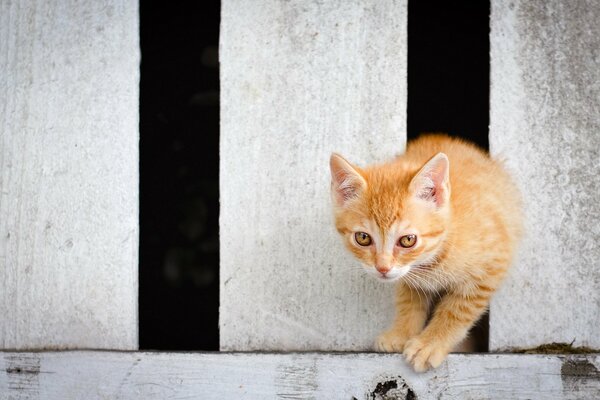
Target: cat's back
[[485, 201], [426, 146], [471, 168]]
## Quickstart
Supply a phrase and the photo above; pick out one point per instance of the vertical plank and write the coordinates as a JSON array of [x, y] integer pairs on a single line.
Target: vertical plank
[[300, 79], [544, 121], [68, 174]]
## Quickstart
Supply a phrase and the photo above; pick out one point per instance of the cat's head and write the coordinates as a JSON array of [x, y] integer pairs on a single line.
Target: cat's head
[[392, 217]]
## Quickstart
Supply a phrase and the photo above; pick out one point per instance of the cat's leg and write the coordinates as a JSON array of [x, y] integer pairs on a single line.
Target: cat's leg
[[454, 315], [412, 308]]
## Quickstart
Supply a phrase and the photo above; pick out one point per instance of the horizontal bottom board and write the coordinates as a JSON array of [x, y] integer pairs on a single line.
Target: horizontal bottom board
[[157, 375]]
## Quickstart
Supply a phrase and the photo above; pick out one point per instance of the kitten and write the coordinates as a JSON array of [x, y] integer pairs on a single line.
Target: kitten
[[443, 221]]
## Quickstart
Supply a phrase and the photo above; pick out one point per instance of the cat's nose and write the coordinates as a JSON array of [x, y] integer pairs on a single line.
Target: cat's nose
[[383, 269]]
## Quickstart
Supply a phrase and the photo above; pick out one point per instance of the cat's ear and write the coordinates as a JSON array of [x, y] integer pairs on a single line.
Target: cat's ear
[[432, 182], [346, 181]]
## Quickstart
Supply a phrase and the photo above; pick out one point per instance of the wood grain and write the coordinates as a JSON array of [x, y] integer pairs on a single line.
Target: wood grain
[[69, 75], [545, 76], [299, 80], [136, 375]]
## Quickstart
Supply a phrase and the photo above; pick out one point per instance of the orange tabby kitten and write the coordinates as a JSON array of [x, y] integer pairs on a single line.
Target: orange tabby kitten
[[442, 220]]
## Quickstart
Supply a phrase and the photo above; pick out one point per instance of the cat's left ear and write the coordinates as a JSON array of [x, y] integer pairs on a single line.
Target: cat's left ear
[[432, 182]]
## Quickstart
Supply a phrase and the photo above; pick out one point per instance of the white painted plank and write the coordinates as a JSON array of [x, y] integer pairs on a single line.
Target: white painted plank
[[132, 375], [300, 79], [69, 73], [545, 108]]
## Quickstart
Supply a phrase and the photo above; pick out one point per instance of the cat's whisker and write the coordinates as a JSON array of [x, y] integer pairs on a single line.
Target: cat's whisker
[[406, 281], [440, 280], [423, 279], [438, 274], [419, 283], [415, 286]]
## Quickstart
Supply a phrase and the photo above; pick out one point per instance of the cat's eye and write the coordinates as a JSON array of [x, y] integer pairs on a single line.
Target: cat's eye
[[407, 241], [363, 238]]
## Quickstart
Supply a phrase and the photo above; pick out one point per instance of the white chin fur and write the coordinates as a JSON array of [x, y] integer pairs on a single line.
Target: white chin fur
[[392, 276]]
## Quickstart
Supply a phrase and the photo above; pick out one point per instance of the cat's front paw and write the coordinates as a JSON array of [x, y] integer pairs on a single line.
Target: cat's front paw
[[422, 354], [390, 342]]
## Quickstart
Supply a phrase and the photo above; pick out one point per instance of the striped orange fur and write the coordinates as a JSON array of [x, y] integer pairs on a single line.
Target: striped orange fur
[[462, 212]]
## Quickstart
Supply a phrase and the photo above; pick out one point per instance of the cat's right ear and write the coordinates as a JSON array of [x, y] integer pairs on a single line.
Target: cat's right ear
[[346, 181], [432, 182]]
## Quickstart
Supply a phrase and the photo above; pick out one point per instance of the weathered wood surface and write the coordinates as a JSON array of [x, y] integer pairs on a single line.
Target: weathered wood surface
[[132, 375], [69, 73], [299, 80], [545, 121]]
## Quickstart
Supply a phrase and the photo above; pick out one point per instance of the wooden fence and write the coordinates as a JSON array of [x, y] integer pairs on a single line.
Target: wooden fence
[[299, 80]]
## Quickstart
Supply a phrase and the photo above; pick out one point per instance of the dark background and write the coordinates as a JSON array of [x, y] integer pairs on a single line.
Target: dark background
[[448, 68], [448, 91], [179, 172]]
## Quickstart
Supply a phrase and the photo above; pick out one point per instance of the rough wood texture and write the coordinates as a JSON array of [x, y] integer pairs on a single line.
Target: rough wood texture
[[68, 174], [545, 122], [299, 80], [109, 375]]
